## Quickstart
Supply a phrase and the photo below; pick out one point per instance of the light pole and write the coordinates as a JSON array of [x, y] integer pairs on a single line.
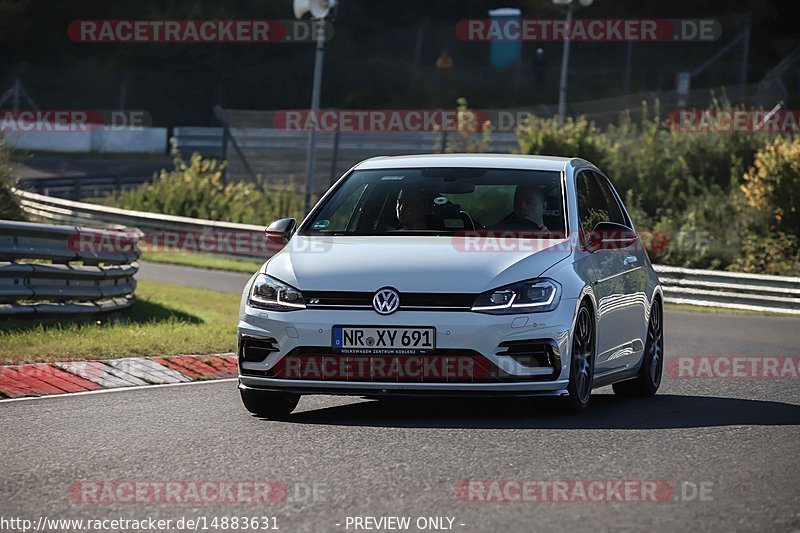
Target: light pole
[[319, 9], [311, 156], [569, 6]]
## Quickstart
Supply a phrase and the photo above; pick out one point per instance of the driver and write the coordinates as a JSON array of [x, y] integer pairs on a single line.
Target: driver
[[529, 208], [411, 209]]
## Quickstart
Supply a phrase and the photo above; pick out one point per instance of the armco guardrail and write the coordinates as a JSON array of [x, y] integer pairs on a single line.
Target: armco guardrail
[[101, 281], [710, 288], [734, 290], [246, 240]]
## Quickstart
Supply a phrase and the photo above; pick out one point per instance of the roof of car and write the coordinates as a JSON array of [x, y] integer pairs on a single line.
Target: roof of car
[[515, 161]]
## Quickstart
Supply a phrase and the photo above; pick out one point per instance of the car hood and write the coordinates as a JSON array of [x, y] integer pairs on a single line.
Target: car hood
[[411, 263]]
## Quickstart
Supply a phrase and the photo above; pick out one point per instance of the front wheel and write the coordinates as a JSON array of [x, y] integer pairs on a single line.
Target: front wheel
[[648, 379], [581, 368], [268, 404]]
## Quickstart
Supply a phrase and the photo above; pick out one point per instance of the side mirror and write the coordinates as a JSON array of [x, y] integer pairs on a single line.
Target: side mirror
[[610, 236], [280, 231]]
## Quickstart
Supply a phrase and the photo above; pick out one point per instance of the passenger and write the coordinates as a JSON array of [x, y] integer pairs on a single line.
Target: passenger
[[529, 208]]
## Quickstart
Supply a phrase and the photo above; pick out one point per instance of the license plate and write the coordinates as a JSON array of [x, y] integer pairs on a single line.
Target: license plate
[[384, 340]]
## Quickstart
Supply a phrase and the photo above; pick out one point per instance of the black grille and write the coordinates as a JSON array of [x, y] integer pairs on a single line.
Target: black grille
[[408, 301]]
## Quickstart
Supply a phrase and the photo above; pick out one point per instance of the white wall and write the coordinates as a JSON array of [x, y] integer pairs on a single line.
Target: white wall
[[145, 140], [140, 140]]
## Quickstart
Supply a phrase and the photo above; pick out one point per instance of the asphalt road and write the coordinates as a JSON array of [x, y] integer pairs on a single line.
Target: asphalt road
[[193, 277], [735, 438]]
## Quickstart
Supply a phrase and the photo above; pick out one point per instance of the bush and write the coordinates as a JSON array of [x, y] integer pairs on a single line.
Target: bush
[[195, 188], [577, 138], [706, 234], [777, 254], [721, 158], [772, 185], [642, 158], [770, 210]]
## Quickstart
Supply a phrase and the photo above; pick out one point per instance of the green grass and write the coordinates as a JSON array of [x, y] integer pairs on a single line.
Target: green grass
[[201, 260], [166, 319]]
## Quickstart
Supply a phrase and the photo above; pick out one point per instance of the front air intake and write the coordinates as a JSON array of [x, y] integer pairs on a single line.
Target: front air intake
[[255, 350], [532, 353]]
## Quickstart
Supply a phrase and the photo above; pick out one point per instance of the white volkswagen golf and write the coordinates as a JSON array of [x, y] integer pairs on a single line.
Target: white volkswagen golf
[[454, 275]]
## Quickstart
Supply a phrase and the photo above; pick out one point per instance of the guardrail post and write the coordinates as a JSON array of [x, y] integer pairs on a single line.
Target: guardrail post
[[76, 188]]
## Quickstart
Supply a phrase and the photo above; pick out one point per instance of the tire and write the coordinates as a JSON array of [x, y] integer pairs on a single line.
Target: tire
[[582, 357], [648, 379], [267, 404]]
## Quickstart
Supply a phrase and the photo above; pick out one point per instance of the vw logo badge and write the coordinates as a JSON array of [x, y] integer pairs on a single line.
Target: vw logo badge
[[386, 301]]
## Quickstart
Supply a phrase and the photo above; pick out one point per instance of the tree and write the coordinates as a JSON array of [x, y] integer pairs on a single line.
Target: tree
[[772, 185], [9, 202]]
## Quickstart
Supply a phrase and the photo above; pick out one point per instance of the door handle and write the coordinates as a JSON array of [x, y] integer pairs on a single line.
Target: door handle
[[631, 259]]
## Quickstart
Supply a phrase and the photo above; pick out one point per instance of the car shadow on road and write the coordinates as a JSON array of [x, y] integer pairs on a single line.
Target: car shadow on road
[[663, 411]]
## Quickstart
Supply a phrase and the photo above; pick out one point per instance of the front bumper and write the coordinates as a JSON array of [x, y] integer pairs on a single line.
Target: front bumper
[[340, 388], [476, 333]]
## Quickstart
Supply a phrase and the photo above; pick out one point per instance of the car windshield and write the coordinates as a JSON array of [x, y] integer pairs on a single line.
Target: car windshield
[[443, 201]]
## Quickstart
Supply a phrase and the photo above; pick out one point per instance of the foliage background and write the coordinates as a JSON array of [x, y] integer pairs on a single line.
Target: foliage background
[[726, 200]]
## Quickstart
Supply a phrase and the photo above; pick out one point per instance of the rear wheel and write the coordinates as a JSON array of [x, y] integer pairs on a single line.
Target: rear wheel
[[648, 380], [581, 368], [268, 404]]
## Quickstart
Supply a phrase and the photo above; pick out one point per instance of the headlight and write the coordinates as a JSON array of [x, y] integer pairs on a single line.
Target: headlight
[[270, 293], [532, 296]]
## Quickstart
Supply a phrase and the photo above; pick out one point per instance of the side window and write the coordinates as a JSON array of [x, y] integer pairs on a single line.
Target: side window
[[615, 211], [592, 205]]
